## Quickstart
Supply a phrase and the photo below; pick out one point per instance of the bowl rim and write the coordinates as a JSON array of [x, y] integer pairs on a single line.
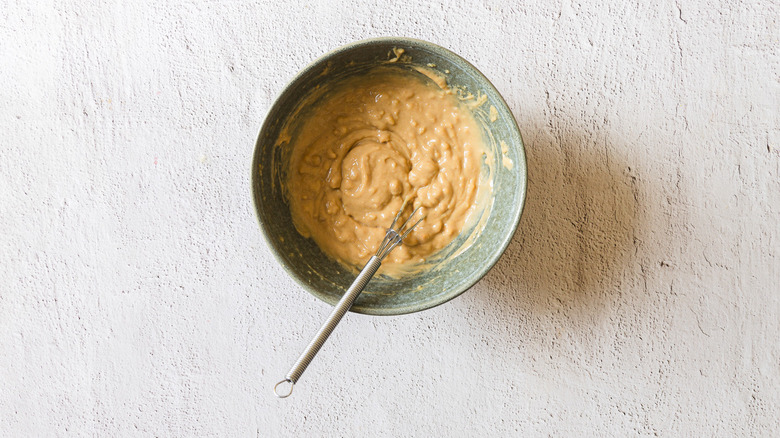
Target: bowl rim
[[440, 299]]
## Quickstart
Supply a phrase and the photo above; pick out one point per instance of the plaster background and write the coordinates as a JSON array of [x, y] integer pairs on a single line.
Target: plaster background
[[640, 295]]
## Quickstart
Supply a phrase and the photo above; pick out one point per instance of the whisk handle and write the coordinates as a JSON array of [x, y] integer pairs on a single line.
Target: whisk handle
[[342, 307]]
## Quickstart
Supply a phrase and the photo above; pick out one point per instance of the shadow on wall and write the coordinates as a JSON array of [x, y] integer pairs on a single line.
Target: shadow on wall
[[575, 242]]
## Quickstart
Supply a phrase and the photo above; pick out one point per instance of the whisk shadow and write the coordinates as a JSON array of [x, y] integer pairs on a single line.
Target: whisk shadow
[[576, 233]]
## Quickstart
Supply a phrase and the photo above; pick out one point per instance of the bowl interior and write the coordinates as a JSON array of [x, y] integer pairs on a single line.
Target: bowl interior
[[452, 274]]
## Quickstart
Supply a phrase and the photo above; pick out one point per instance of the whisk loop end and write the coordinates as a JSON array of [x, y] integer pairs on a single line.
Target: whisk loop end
[[284, 394]]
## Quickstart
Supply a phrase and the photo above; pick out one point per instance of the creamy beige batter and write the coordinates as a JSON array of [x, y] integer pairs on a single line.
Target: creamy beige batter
[[373, 143]]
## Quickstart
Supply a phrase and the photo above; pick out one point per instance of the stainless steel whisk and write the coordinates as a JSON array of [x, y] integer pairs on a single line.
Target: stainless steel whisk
[[393, 238]]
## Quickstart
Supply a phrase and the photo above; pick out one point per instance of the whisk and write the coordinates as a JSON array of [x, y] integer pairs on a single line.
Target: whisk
[[393, 237]]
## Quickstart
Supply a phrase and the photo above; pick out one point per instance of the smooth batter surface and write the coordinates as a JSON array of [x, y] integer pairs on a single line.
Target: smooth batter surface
[[373, 143]]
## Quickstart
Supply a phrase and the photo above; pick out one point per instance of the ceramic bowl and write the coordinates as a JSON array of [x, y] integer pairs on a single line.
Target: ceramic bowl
[[457, 268]]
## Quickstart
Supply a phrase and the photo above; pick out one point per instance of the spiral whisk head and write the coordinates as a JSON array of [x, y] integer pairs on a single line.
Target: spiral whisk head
[[395, 235]]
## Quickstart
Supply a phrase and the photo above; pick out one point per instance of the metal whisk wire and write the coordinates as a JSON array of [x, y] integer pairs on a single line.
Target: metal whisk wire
[[393, 237]]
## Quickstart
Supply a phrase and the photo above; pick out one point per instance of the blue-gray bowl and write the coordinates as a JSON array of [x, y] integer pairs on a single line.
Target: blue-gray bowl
[[457, 269]]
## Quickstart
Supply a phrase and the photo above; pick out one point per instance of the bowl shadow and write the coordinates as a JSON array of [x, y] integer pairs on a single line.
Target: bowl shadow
[[576, 238]]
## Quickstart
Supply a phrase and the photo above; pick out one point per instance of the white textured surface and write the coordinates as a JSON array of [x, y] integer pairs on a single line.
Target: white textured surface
[[640, 296]]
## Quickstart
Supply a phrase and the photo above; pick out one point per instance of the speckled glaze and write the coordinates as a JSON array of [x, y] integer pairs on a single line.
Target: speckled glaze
[[326, 278]]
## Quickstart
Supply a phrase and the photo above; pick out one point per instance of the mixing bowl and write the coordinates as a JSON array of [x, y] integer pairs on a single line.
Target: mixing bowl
[[469, 257]]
